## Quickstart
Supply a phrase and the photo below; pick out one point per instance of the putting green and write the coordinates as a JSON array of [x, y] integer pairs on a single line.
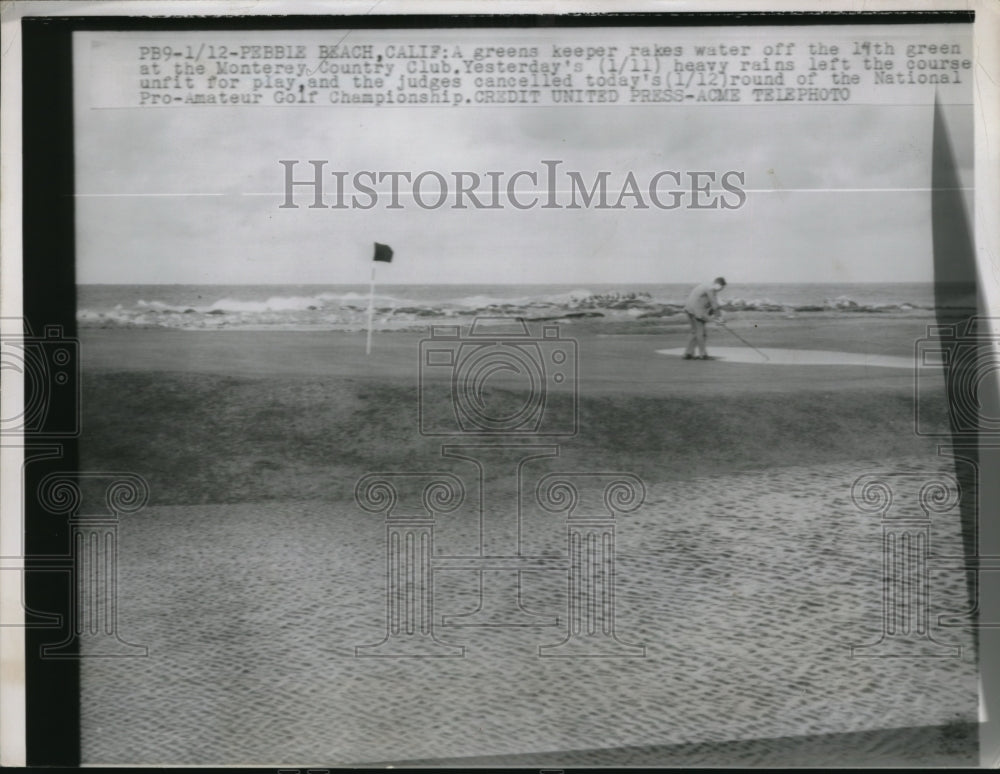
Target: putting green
[[799, 357]]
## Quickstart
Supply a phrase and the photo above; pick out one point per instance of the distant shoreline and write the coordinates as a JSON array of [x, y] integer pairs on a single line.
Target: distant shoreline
[[409, 307]]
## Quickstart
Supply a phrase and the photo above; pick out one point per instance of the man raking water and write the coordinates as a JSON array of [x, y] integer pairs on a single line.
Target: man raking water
[[703, 304]]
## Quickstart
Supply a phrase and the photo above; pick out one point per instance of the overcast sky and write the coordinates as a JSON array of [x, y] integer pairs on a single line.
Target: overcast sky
[[140, 220]]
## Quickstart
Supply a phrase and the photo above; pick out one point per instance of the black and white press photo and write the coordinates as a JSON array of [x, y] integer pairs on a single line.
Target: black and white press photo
[[548, 391]]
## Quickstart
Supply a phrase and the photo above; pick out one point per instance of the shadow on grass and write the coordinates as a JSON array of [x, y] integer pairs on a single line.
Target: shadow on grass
[[214, 439]]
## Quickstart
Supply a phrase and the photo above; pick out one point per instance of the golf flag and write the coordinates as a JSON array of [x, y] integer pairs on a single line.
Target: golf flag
[[383, 253]]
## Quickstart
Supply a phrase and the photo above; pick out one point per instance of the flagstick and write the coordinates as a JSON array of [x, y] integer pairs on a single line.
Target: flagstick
[[371, 311]]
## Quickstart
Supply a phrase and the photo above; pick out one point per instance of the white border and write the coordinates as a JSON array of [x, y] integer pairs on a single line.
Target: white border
[[986, 88]]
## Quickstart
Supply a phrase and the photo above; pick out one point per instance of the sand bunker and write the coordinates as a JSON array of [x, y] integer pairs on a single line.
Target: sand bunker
[[799, 357], [747, 599]]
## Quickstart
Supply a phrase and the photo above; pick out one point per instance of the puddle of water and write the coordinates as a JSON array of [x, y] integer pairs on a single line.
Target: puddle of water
[[799, 357]]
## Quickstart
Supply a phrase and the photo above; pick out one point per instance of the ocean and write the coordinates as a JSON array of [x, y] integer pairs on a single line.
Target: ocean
[[345, 307]]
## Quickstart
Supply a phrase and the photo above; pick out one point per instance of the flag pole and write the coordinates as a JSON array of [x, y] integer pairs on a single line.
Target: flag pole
[[371, 311]]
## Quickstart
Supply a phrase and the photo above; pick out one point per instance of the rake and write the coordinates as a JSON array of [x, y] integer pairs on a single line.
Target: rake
[[722, 325]]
